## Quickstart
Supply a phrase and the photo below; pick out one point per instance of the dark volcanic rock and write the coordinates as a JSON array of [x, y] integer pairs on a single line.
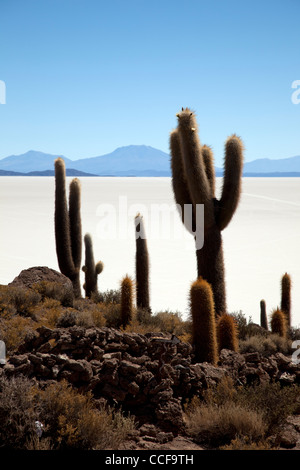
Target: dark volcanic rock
[[149, 376], [31, 276]]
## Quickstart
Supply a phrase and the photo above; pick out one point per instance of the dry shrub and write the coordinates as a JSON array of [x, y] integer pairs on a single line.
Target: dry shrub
[[170, 322], [14, 331], [17, 413], [84, 313], [225, 391], [47, 312], [18, 300], [247, 329], [110, 296], [112, 314], [219, 425], [66, 319], [272, 400], [266, 345], [244, 443], [55, 290], [70, 419], [268, 403], [74, 422]]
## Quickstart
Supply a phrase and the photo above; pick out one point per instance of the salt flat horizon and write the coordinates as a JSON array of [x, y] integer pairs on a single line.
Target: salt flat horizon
[[260, 243]]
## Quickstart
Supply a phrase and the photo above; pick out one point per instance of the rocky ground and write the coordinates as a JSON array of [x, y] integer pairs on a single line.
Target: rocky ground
[[149, 375]]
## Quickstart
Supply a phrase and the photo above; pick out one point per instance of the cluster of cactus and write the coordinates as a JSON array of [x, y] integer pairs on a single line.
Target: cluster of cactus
[[210, 333], [68, 234], [282, 314], [193, 181], [68, 226], [90, 269]]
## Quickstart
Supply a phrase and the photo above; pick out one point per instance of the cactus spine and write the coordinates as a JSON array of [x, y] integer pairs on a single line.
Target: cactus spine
[[286, 297], [204, 336], [193, 181], [90, 270], [227, 333], [126, 300], [263, 315], [68, 226], [278, 323], [141, 265]]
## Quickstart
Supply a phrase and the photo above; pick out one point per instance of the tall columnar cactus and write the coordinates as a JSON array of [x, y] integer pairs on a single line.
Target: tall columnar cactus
[[68, 226], [278, 323], [141, 265], [90, 269], [227, 333], [204, 334], [126, 300], [263, 315], [193, 180], [286, 297]]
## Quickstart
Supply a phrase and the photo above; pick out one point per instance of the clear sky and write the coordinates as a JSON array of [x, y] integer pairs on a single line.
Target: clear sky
[[84, 77]]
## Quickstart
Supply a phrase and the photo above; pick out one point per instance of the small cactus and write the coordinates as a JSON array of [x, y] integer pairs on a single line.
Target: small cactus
[[204, 336], [126, 300], [227, 333], [278, 323], [90, 269], [141, 265], [68, 226], [286, 297], [263, 315]]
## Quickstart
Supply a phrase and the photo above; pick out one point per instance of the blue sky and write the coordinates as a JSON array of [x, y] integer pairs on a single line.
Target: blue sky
[[84, 77]]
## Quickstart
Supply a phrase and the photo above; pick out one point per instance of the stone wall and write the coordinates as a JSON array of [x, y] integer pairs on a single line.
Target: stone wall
[[150, 376]]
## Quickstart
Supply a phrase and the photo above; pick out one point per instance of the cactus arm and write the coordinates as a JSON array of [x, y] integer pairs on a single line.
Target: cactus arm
[[75, 221], [208, 160], [61, 217], [99, 267], [179, 183], [231, 190], [193, 163]]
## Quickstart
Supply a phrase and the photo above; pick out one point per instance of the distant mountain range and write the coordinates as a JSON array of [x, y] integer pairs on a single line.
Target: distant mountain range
[[133, 160]]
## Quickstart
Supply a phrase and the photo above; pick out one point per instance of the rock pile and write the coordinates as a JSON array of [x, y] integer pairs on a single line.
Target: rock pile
[[150, 376]]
